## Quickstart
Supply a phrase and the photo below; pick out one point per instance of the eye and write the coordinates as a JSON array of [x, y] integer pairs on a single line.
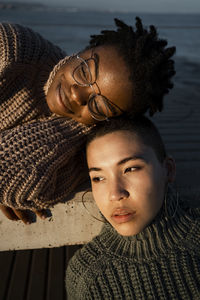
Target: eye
[[82, 75], [83, 70], [131, 169], [85, 73], [97, 179]]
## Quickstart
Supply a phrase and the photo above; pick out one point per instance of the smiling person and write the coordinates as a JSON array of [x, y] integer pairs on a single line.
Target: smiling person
[[149, 246], [48, 102]]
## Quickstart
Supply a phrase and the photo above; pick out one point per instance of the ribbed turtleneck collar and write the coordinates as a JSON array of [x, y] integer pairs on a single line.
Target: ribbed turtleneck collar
[[159, 237]]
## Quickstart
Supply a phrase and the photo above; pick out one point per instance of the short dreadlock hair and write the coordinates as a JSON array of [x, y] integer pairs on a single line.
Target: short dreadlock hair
[[147, 58]]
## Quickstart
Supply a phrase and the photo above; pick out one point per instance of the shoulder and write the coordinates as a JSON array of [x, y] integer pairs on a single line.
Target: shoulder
[[191, 211], [192, 217], [195, 215], [8, 29], [84, 267], [16, 34], [22, 44]]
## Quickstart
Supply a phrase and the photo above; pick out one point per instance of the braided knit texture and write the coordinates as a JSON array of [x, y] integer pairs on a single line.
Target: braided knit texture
[[161, 262], [40, 155], [41, 163], [26, 60], [54, 72]]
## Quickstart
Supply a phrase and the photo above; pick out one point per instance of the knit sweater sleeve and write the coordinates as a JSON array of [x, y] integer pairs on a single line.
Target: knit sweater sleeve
[[41, 163], [22, 45], [26, 60]]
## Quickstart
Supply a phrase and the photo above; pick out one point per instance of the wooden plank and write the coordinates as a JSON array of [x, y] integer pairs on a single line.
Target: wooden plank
[[36, 285], [55, 282], [19, 275], [7, 259], [35, 274]]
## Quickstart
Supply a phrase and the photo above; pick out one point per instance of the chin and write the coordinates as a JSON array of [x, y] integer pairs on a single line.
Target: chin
[[126, 231], [129, 229], [85, 122]]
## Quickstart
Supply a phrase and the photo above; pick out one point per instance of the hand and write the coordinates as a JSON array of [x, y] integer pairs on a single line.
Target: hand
[[26, 216]]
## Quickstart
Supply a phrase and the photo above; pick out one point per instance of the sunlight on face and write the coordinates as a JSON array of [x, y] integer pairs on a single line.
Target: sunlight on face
[[67, 98], [128, 181]]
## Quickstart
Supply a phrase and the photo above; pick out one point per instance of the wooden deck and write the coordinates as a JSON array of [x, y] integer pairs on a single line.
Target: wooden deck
[[34, 274]]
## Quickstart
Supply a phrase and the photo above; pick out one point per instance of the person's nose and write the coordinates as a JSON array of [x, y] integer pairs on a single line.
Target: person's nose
[[79, 94], [117, 190]]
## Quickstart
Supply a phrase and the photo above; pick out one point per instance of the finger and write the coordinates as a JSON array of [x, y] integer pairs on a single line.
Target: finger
[[8, 212], [43, 213], [23, 215]]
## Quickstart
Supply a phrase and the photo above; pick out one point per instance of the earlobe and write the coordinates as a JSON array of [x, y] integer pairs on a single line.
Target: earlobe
[[170, 168]]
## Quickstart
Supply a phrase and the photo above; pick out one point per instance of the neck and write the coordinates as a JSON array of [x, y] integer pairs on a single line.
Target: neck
[[163, 234]]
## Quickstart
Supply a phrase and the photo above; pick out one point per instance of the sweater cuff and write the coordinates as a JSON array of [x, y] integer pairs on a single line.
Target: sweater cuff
[[41, 163]]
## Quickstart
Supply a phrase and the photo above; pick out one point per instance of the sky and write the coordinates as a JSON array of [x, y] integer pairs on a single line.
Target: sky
[[154, 6]]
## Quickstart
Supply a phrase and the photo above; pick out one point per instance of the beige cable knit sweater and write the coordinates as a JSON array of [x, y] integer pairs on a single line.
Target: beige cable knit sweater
[[39, 161], [26, 60]]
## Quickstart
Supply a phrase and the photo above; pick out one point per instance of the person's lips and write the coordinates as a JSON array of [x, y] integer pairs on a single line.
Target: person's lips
[[63, 100], [123, 215]]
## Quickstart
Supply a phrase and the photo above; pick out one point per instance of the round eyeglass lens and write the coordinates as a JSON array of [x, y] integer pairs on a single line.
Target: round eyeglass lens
[[82, 73], [100, 108]]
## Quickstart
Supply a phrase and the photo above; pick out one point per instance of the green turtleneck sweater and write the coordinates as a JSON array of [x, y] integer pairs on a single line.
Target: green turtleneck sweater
[[161, 262]]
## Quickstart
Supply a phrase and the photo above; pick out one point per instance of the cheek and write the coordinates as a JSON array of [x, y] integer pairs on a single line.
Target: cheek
[[155, 193], [85, 117], [99, 195], [96, 196], [148, 190]]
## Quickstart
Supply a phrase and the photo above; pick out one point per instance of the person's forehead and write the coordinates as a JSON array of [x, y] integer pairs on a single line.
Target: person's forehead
[[113, 76], [108, 56], [107, 151], [118, 142]]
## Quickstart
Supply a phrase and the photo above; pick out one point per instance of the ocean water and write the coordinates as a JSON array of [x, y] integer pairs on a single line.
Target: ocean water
[[71, 29]]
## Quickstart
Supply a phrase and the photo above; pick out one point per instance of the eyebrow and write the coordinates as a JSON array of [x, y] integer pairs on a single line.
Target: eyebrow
[[121, 162]]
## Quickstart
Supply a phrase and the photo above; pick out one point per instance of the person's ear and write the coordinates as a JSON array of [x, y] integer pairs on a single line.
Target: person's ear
[[170, 168]]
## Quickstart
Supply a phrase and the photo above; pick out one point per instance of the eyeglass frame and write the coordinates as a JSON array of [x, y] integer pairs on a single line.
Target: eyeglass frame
[[108, 103]]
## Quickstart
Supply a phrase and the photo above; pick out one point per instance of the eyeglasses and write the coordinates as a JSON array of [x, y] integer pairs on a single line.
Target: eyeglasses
[[100, 107]]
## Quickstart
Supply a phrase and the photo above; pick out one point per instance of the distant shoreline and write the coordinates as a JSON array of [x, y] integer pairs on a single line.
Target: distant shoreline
[[11, 5], [20, 5]]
